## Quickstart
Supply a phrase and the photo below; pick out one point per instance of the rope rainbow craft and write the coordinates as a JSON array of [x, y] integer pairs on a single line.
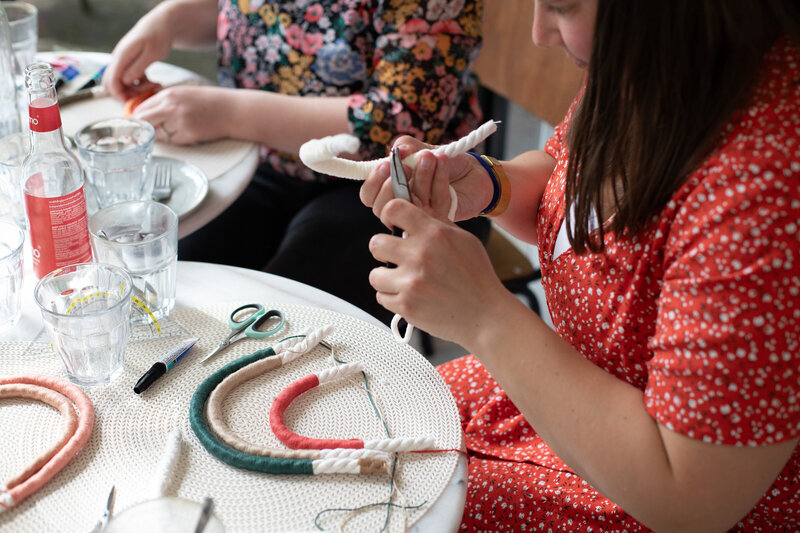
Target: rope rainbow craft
[[322, 155], [306, 456], [76, 428]]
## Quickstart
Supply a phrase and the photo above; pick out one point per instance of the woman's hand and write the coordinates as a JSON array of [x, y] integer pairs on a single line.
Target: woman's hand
[[430, 183], [444, 282], [150, 40], [189, 114]]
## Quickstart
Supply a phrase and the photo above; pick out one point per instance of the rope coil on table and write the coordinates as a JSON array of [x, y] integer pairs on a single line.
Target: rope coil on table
[[76, 429]]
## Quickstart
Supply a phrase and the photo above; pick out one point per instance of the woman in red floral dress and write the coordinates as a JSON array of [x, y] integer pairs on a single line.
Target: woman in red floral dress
[[666, 209]]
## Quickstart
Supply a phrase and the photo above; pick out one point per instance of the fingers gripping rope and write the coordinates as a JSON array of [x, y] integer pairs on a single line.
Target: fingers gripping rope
[[321, 155]]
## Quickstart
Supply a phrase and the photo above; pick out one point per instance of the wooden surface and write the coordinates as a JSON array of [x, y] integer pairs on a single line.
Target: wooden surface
[[543, 81]]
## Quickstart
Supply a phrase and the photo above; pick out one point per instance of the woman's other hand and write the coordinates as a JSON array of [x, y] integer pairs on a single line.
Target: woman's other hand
[[189, 114], [147, 42], [430, 182], [444, 282]]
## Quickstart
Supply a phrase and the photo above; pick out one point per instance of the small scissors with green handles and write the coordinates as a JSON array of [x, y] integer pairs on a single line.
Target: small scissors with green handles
[[252, 324]]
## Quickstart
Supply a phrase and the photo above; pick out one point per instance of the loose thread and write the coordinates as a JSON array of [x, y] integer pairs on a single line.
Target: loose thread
[[392, 484], [465, 454]]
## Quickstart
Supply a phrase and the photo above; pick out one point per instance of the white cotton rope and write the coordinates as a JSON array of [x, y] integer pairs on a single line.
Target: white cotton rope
[[290, 349], [338, 372], [322, 155], [400, 444], [165, 470]]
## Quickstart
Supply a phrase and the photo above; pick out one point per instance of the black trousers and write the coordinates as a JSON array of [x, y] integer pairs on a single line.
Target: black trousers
[[315, 233]]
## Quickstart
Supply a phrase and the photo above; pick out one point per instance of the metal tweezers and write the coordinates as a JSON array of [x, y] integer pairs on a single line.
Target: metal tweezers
[[399, 182]]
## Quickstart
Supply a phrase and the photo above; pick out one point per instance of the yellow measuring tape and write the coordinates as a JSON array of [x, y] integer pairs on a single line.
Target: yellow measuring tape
[[137, 301]]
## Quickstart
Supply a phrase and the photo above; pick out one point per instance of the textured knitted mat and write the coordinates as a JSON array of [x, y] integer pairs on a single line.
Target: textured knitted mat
[[131, 430]]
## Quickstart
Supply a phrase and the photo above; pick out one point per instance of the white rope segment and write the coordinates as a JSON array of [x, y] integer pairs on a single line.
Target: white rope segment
[[322, 155], [290, 349], [338, 466], [400, 444], [165, 470]]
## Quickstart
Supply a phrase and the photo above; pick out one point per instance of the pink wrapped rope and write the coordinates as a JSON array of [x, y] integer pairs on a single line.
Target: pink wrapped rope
[[38, 477]]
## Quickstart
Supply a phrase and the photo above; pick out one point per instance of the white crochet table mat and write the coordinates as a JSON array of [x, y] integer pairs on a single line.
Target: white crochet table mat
[[130, 432]]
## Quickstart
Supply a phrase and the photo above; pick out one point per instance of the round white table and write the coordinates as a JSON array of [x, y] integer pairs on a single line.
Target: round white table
[[222, 189], [200, 284]]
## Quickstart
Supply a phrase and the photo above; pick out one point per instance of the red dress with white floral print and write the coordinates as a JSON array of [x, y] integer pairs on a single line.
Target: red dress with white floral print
[[701, 312]]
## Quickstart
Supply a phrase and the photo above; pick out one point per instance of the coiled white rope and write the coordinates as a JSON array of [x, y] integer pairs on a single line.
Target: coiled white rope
[[322, 155]]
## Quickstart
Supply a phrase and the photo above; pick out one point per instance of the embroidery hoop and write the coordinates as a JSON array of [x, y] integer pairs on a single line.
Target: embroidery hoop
[[308, 456], [77, 427]]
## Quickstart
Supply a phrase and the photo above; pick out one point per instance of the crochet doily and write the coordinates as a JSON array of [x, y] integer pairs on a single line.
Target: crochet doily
[[131, 430]]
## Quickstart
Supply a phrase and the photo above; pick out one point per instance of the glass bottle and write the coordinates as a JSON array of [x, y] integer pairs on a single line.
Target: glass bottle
[[55, 203], [9, 114]]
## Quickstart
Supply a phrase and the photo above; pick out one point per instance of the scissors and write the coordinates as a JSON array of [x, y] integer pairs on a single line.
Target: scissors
[[103, 522], [252, 325]]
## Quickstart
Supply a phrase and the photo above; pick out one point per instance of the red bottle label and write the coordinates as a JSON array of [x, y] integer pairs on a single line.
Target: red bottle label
[[59, 231], [44, 119]]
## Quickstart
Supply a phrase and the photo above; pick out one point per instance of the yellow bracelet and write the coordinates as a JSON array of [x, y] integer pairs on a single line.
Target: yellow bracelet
[[502, 183]]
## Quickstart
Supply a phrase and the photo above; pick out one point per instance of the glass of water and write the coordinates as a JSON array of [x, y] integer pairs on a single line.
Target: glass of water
[[24, 28], [11, 240], [142, 238], [116, 153], [13, 149], [86, 309]]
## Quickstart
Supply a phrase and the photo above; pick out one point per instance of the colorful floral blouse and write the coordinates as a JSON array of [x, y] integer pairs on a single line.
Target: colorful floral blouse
[[405, 64], [701, 312]]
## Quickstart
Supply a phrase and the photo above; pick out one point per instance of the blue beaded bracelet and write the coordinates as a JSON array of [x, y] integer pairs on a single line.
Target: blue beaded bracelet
[[495, 183]]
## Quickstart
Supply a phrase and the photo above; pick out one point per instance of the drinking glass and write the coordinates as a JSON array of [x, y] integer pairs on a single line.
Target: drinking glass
[[86, 310], [13, 149], [23, 24], [116, 153], [11, 240], [142, 238]]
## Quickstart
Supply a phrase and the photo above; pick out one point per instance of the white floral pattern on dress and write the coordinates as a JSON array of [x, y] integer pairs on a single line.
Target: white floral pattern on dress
[[701, 312]]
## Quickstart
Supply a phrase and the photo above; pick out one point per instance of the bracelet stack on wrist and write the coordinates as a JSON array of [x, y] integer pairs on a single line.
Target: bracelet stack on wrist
[[501, 194]]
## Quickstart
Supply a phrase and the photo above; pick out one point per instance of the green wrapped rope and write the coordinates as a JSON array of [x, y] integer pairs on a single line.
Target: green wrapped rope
[[220, 450]]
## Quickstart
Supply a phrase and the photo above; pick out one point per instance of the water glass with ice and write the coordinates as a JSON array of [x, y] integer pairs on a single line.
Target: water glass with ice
[[142, 238], [11, 241], [86, 310], [116, 153]]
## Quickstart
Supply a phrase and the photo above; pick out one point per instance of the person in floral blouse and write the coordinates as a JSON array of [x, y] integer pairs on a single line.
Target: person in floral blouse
[[290, 71], [666, 209]]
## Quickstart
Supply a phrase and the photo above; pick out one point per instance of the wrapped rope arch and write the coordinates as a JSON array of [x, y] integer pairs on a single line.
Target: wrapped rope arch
[[306, 456], [75, 431]]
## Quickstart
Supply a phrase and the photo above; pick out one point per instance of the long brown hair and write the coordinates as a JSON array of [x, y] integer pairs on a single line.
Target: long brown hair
[[663, 78]]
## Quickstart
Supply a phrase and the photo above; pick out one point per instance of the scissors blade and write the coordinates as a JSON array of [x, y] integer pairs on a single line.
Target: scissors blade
[[103, 522], [399, 178], [224, 344]]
